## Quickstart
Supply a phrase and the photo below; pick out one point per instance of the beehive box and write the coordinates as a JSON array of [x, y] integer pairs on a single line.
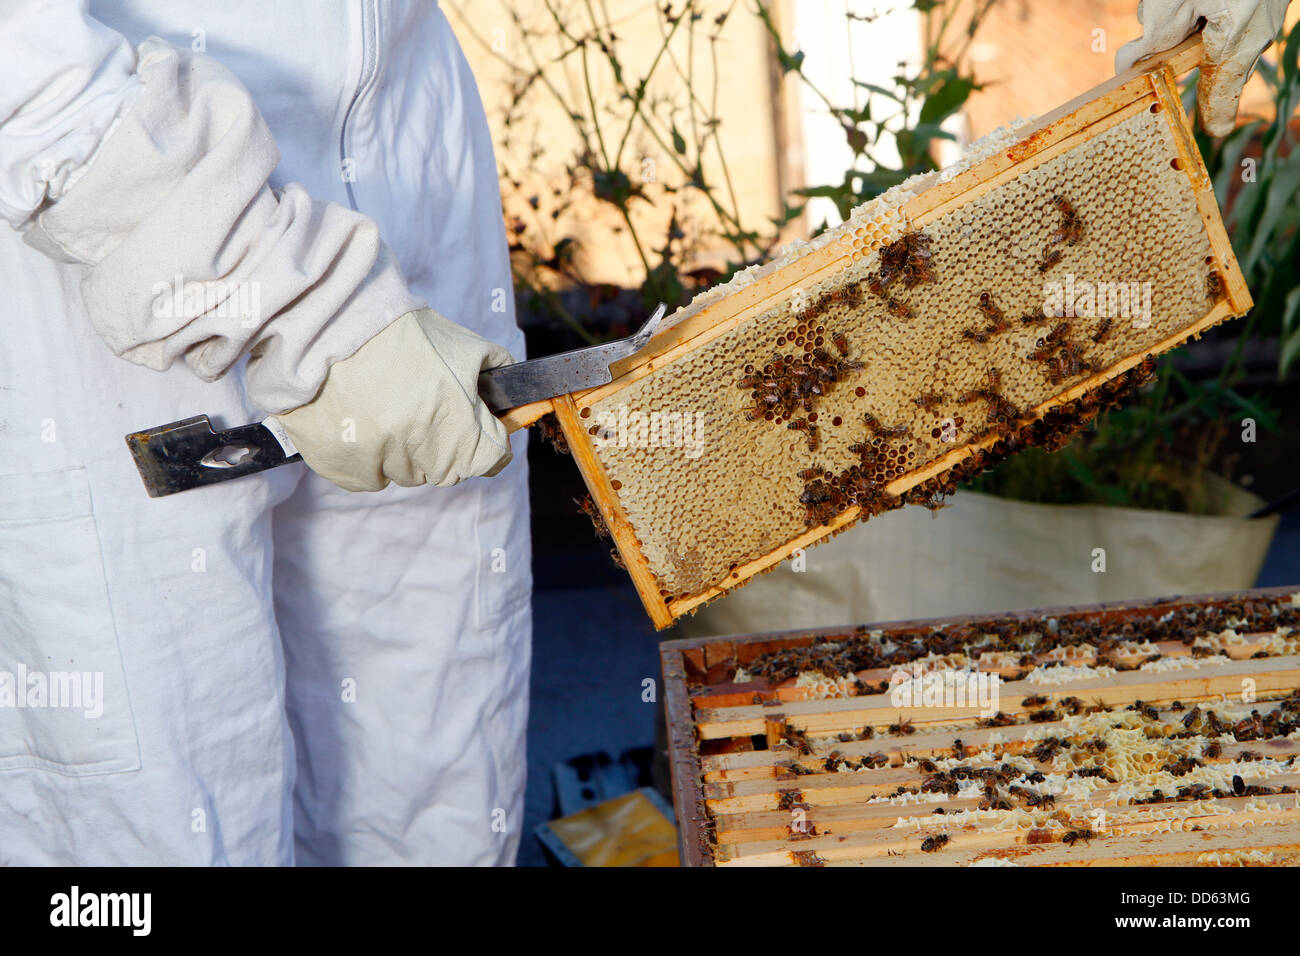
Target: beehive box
[[1141, 733], [952, 320]]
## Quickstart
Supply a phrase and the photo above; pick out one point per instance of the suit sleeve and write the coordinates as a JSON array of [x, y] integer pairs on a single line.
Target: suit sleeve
[[151, 166]]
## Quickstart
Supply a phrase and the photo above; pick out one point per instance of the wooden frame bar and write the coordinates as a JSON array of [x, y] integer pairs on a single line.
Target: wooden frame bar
[[730, 798]]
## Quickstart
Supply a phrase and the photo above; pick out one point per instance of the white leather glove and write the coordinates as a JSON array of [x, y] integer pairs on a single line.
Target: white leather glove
[[404, 408], [1236, 33]]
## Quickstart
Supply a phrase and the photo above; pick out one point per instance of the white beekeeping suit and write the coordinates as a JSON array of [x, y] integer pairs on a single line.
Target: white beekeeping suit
[[270, 668]]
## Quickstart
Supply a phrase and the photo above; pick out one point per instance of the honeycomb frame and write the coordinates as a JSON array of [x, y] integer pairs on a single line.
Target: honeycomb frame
[[790, 749], [674, 576]]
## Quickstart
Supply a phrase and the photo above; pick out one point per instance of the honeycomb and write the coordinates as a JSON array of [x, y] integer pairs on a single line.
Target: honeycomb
[[923, 341]]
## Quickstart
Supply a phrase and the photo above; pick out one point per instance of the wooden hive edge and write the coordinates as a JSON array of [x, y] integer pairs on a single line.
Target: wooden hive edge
[[688, 765]]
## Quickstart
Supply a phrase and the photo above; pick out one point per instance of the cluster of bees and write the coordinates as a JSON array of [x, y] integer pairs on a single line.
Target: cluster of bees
[[1068, 233], [999, 791], [1003, 415], [587, 506], [995, 318], [794, 383], [1061, 356], [906, 260], [846, 654], [827, 494], [1277, 723], [1009, 787], [1050, 432]]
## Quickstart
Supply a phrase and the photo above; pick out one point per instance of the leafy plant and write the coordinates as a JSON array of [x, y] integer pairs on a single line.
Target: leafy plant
[[1256, 175], [912, 110], [667, 116], [645, 141]]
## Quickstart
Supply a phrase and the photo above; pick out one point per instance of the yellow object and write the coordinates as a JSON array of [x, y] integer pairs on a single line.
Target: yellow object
[[626, 831]]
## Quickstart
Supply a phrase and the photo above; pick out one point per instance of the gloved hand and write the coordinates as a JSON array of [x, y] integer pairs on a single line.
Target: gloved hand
[[404, 408], [1236, 33]]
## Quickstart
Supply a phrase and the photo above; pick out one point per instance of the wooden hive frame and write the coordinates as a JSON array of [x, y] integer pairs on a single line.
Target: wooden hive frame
[[1150, 86], [746, 756]]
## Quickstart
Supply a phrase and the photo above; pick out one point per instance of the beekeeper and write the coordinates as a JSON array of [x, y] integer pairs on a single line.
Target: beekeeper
[[273, 668]]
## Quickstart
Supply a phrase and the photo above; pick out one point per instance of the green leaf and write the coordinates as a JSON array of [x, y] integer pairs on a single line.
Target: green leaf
[[872, 87], [1291, 54], [946, 100], [789, 62], [914, 144], [1290, 331], [1283, 184]]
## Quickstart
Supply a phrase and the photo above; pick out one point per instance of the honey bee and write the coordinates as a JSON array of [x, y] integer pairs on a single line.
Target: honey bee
[[900, 310], [841, 342], [996, 319], [876, 428], [587, 506], [997, 720], [1100, 335], [1059, 332], [930, 844], [1047, 750], [928, 400], [1213, 286], [1071, 228], [1074, 836], [907, 258], [903, 728], [1050, 258], [959, 749]]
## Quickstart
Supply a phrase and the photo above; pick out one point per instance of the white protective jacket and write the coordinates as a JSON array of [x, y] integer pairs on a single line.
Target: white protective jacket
[[271, 662]]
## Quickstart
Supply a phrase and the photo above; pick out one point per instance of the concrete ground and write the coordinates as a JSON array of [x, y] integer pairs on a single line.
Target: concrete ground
[[592, 648]]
